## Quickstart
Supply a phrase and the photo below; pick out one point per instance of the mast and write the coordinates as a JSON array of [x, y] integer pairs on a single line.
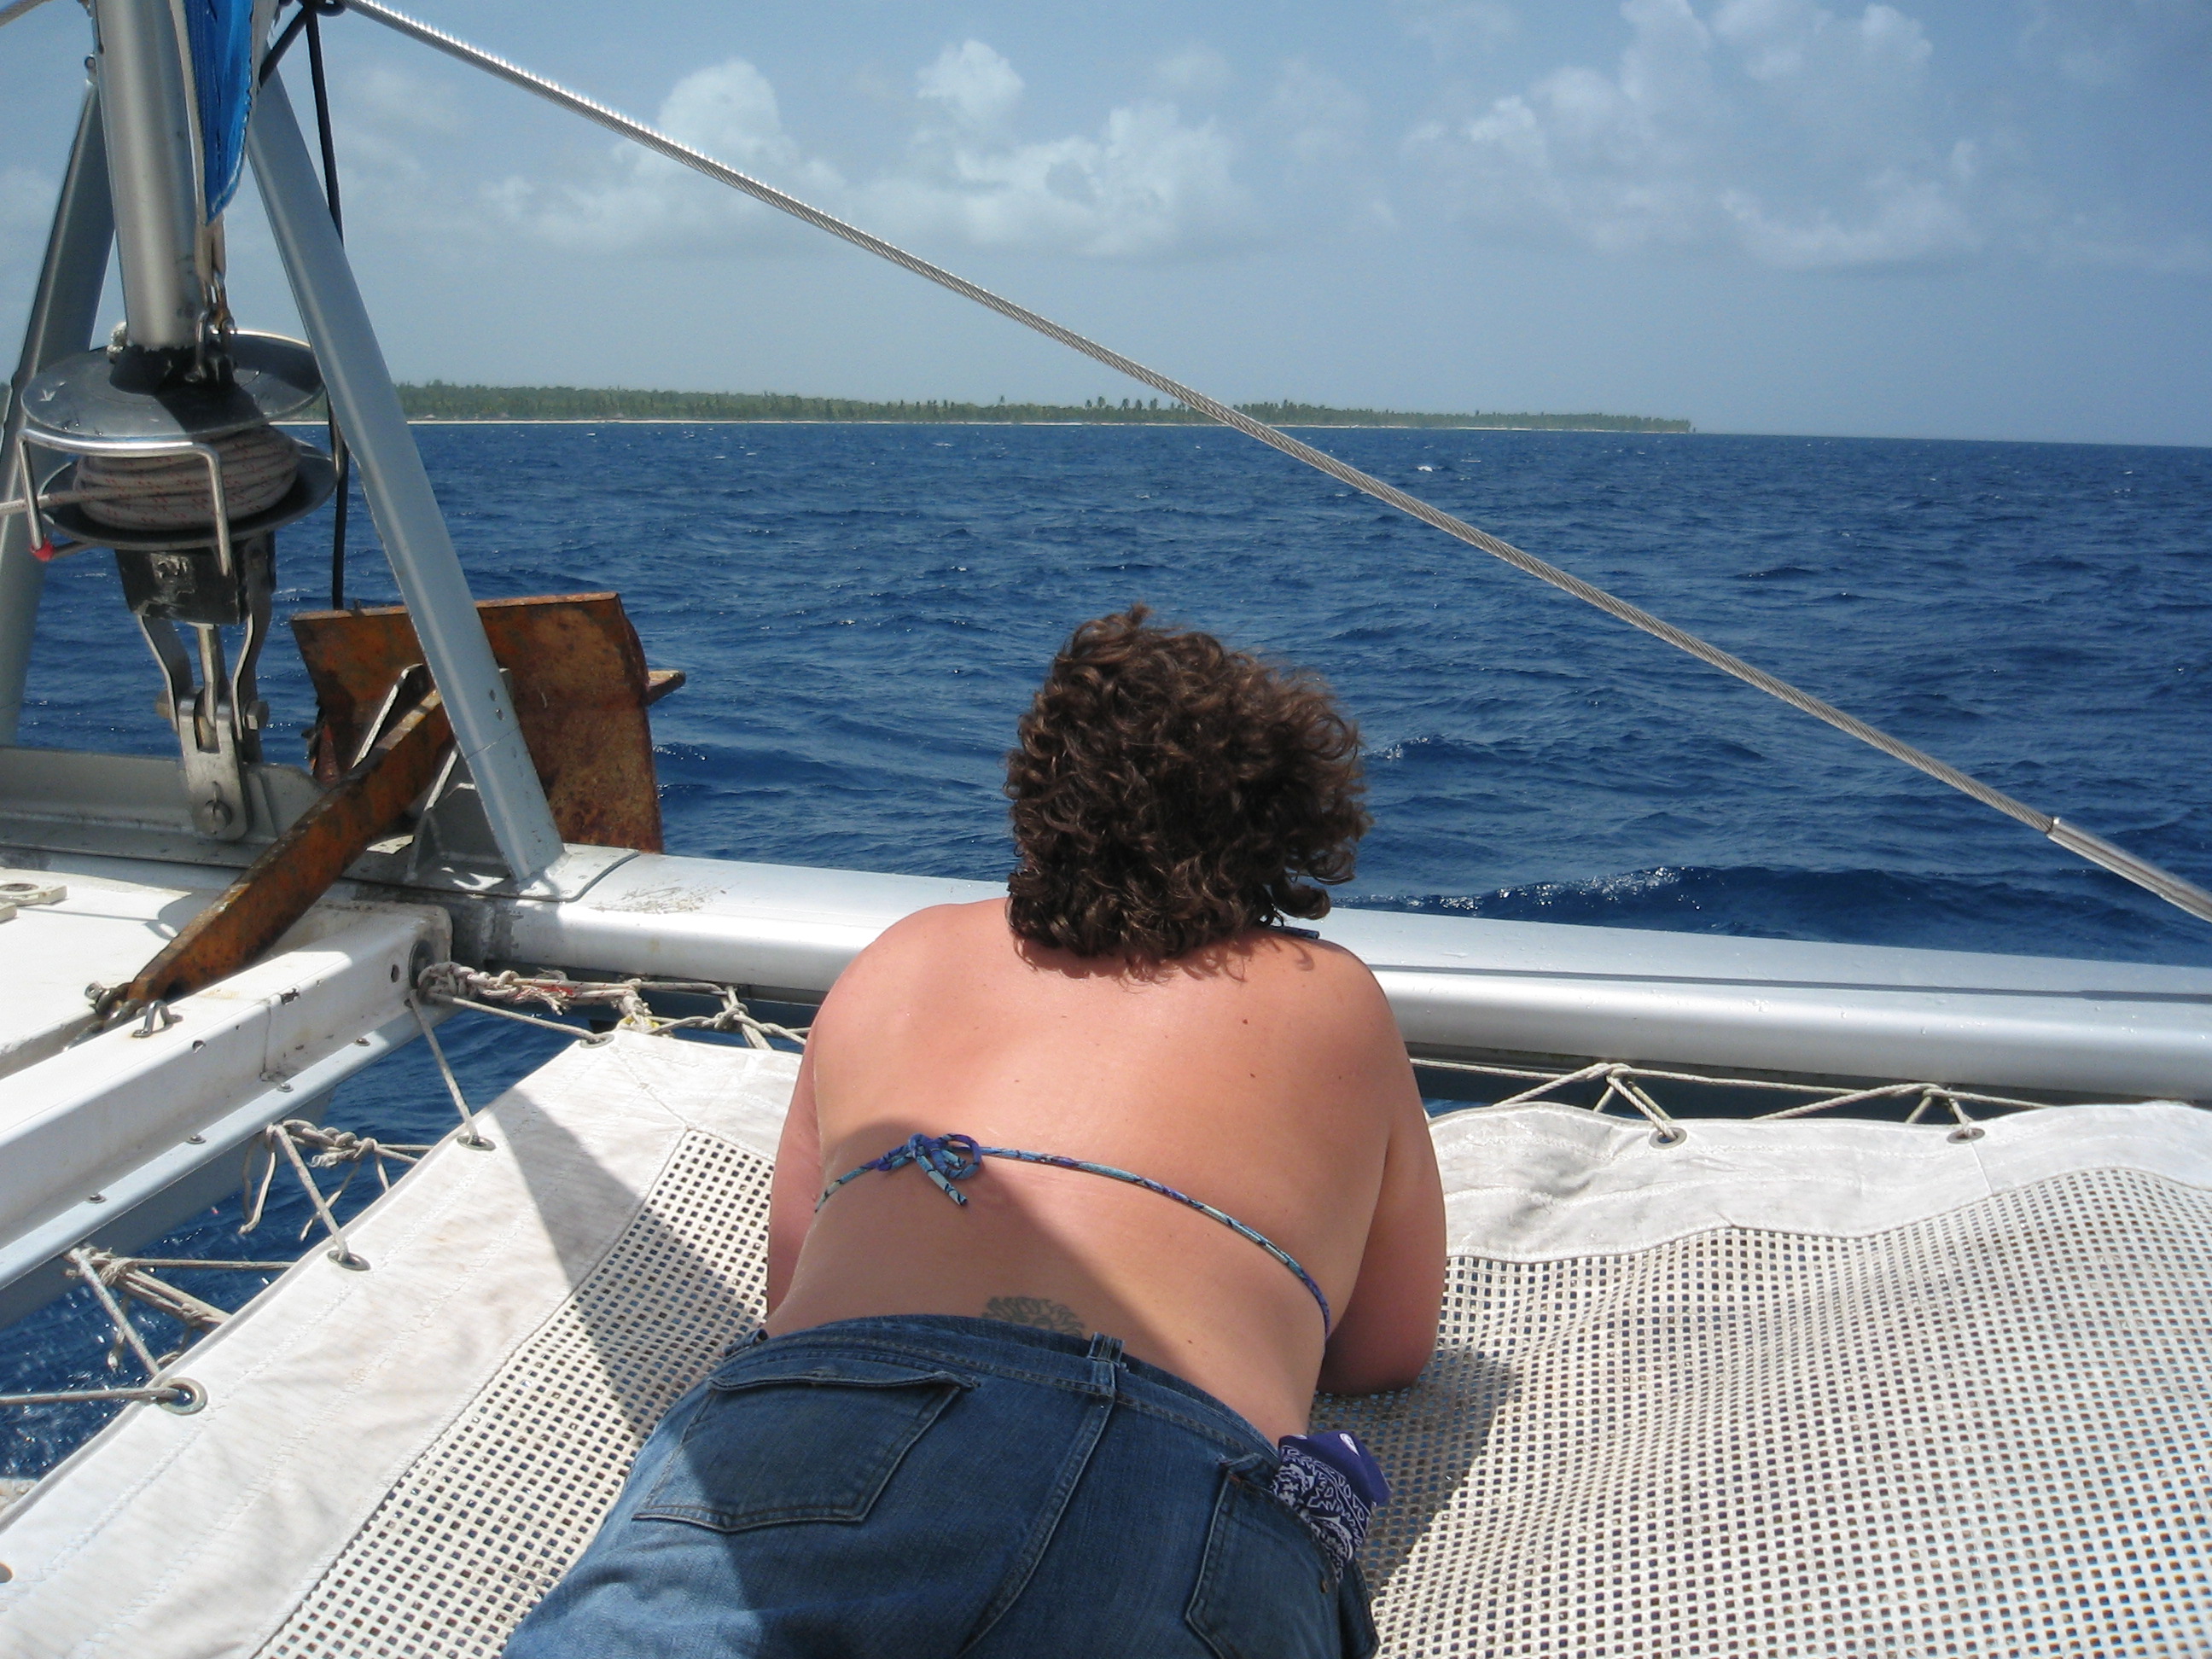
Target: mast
[[165, 447], [155, 176]]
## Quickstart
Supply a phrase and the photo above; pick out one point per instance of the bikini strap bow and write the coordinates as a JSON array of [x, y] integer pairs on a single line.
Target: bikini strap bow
[[944, 1158]]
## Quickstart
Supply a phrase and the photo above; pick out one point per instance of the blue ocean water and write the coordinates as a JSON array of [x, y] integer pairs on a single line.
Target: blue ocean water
[[864, 610]]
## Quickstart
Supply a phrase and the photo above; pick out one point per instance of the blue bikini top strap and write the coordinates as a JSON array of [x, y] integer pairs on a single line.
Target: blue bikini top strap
[[947, 1158]]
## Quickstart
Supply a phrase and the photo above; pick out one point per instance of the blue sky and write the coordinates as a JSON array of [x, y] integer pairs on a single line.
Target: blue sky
[[1937, 219]]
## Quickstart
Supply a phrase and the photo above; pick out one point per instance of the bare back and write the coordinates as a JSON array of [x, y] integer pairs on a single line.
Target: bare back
[[1265, 1077]]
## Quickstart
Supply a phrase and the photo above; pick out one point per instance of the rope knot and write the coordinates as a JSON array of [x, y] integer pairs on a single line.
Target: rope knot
[[944, 1158]]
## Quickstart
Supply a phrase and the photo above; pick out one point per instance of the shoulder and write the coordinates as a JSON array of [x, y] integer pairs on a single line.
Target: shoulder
[[1298, 956], [1325, 986], [905, 971], [938, 927], [921, 941]]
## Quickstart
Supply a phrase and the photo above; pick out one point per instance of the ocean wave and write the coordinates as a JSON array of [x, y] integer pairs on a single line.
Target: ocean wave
[[2083, 916]]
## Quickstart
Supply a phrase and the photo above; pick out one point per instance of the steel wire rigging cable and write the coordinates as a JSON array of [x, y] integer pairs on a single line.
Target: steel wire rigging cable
[[2173, 888]]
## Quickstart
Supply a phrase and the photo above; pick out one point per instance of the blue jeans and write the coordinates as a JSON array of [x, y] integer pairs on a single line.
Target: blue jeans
[[915, 1486]]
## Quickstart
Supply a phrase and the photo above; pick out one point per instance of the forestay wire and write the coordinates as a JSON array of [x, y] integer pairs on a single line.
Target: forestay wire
[[2172, 888]]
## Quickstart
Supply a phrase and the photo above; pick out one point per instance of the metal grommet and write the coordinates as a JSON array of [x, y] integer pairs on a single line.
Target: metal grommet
[[5, 1572], [1669, 1135], [1966, 1131], [348, 1261], [195, 1397]]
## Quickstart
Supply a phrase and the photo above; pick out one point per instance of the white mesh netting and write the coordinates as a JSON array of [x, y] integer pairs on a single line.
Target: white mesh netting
[[1979, 1434], [492, 1513], [1777, 1389]]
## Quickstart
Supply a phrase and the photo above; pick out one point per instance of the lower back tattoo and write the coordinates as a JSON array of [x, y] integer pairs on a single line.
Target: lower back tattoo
[[1035, 1310]]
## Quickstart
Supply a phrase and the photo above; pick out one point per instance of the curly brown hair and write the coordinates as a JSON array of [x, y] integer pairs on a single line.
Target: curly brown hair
[[1169, 792]]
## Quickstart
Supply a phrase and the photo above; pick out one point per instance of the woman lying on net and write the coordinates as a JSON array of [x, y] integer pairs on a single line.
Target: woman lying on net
[[1081, 1195]]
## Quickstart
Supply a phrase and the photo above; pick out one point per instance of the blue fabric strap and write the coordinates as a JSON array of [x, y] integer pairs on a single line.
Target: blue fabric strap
[[947, 1158], [944, 1158]]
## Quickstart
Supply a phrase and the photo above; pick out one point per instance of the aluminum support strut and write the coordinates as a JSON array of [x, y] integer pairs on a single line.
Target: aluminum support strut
[[63, 313], [485, 731]]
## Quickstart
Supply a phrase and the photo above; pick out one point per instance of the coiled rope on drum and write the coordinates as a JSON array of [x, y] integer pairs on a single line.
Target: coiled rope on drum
[[171, 491], [2168, 886]]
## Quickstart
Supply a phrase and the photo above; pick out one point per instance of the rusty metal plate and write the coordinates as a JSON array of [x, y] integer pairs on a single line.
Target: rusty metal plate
[[581, 689]]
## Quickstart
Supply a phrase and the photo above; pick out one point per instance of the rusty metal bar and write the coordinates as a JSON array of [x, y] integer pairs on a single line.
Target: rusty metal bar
[[300, 864]]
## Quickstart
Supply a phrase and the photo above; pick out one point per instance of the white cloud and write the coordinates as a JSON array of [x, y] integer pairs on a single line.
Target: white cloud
[[1800, 137], [1146, 185], [1613, 160], [974, 83], [1905, 221], [728, 112], [1856, 86]]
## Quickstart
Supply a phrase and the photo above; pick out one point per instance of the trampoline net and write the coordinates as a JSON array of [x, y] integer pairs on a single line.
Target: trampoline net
[[493, 1513], [1983, 1434]]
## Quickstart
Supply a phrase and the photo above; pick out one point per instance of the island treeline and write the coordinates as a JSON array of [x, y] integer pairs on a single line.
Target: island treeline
[[438, 400]]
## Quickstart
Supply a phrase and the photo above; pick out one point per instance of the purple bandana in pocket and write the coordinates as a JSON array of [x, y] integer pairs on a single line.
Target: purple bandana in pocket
[[1334, 1484]]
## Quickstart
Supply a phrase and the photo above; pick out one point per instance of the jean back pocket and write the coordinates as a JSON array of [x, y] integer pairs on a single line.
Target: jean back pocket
[[1265, 1589], [808, 1439]]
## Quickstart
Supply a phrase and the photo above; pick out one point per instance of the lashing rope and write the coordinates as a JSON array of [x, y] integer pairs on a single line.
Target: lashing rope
[[1628, 1082], [456, 985]]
